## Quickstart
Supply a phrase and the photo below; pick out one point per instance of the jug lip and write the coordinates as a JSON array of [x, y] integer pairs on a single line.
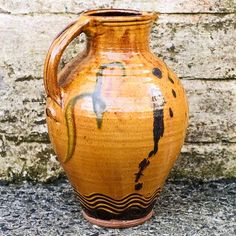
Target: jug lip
[[120, 15]]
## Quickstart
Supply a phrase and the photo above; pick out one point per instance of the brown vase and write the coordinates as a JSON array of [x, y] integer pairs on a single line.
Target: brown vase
[[117, 116]]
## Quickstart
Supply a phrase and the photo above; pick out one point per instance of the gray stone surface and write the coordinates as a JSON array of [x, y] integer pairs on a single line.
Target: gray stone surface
[[195, 38], [183, 208]]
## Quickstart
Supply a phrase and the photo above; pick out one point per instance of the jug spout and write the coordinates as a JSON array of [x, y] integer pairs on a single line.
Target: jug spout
[[118, 29]]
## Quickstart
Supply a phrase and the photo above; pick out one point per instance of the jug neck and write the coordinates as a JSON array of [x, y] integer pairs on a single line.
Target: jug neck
[[121, 38]]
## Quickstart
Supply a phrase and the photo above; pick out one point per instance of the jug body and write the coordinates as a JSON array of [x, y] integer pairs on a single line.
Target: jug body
[[117, 117]]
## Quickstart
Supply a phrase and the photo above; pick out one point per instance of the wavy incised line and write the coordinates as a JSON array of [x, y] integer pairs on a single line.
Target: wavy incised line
[[119, 207], [119, 201], [109, 208], [96, 195], [118, 210], [115, 210], [100, 201]]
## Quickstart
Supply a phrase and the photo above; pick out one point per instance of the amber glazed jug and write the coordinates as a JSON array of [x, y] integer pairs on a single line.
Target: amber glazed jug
[[116, 115]]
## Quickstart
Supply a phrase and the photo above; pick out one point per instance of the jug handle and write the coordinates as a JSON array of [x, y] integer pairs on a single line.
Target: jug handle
[[54, 54]]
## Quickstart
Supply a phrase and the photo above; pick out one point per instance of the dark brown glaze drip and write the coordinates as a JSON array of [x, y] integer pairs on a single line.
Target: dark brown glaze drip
[[171, 112], [132, 206], [142, 165], [170, 79], [158, 131], [138, 186], [157, 72], [174, 93]]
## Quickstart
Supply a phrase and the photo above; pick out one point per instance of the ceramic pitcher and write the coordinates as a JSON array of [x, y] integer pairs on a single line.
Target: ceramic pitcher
[[116, 114]]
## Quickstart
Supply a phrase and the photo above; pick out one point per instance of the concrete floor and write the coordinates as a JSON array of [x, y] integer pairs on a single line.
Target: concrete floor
[[183, 208]]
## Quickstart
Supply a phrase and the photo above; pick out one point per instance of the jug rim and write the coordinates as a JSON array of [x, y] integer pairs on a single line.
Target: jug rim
[[120, 15]]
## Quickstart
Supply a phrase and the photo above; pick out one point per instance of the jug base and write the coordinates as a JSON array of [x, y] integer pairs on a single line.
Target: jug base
[[117, 223]]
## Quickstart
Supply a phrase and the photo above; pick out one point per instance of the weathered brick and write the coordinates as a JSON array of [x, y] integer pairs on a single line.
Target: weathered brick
[[207, 161]]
